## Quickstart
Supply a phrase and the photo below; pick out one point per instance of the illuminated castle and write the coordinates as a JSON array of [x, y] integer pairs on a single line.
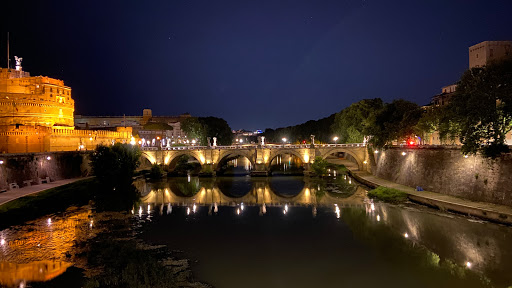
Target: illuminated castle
[[36, 115]]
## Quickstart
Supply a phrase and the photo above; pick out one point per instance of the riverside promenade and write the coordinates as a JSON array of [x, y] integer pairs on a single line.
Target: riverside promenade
[[24, 191], [492, 212]]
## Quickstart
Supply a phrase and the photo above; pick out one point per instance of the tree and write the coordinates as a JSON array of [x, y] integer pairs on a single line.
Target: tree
[[353, 123], [480, 112], [203, 127], [319, 166], [396, 121], [301, 132], [114, 167], [194, 129], [217, 127]]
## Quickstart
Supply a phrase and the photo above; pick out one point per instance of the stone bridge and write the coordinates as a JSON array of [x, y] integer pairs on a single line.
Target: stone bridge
[[260, 156]]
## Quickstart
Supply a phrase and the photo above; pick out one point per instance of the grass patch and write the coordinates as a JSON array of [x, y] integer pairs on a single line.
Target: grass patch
[[49, 201], [388, 195], [339, 167]]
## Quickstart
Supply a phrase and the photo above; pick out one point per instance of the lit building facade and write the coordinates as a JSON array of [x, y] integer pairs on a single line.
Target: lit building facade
[[481, 53], [36, 115]]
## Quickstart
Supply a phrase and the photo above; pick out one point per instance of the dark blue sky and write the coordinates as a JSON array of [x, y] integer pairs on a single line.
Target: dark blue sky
[[257, 64]]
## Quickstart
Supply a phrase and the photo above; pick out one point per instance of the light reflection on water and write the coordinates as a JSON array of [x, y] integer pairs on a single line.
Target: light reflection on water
[[37, 251], [307, 216], [453, 244]]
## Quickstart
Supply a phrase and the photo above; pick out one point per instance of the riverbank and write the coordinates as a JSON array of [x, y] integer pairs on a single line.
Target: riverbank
[[29, 204], [488, 211]]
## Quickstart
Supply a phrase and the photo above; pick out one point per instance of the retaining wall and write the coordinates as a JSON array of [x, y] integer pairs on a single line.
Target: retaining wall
[[447, 171], [17, 168]]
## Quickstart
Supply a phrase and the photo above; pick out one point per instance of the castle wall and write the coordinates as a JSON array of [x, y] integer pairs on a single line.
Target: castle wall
[[29, 139]]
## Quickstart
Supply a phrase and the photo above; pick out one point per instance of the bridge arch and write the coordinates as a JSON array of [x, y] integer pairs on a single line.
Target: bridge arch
[[350, 152], [149, 156], [231, 153], [276, 152], [173, 155]]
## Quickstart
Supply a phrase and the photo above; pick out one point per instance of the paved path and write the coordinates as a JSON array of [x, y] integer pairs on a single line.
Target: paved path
[[489, 211], [24, 191]]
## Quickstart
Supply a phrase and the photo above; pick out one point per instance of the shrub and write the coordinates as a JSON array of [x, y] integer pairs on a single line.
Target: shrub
[[156, 172], [319, 166], [388, 195]]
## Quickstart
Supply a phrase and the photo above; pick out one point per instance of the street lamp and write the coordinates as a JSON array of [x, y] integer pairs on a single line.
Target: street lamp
[[335, 139], [284, 140]]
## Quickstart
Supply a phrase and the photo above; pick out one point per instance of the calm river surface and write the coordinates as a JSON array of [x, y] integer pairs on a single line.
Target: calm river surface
[[274, 232]]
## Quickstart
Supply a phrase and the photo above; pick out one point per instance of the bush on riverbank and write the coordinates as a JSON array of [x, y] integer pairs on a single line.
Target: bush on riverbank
[[53, 200], [114, 167], [389, 195], [319, 167]]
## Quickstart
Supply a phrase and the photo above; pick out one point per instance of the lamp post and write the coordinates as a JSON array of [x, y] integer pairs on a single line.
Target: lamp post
[[284, 141], [335, 139]]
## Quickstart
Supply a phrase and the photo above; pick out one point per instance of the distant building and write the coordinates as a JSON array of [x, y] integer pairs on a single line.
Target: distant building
[[136, 122], [443, 98], [479, 56], [481, 53]]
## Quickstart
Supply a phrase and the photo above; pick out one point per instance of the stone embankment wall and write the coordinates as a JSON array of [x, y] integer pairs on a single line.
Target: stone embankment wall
[[16, 168], [447, 171]]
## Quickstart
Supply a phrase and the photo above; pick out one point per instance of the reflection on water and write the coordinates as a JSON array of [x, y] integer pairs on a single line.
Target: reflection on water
[[286, 164], [283, 232], [252, 191], [414, 245], [18, 275], [39, 250]]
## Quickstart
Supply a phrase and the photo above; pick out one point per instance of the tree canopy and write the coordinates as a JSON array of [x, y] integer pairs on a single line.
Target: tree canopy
[[298, 133], [203, 127], [114, 167], [381, 122], [480, 112], [353, 123]]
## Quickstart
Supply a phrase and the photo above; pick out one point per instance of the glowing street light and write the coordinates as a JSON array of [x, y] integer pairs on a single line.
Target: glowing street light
[[335, 139], [284, 140]]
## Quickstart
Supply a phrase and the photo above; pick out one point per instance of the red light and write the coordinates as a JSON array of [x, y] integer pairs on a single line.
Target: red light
[[303, 141], [412, 142]]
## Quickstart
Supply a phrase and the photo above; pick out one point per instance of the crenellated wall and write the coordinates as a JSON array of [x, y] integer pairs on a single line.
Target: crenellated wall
[[447, 171]]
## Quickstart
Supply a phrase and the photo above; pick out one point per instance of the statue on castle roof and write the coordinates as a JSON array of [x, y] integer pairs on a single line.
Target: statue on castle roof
[[18, 62]]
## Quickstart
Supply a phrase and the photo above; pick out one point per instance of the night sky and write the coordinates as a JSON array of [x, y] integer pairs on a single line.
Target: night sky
[[257, 64]]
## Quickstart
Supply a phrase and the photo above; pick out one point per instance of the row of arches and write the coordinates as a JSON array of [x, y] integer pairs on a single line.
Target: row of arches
[[282, 161], [247, 190]]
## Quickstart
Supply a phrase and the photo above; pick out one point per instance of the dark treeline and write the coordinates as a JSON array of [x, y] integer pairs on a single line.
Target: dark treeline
[[478, 116], [201, 128], [297, 134]]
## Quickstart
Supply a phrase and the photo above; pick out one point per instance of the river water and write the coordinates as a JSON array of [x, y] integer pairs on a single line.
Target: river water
[[274, 232]]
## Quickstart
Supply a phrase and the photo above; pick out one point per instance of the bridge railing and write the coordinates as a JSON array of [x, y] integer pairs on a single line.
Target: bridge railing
[[341, 145], [252, 146]]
